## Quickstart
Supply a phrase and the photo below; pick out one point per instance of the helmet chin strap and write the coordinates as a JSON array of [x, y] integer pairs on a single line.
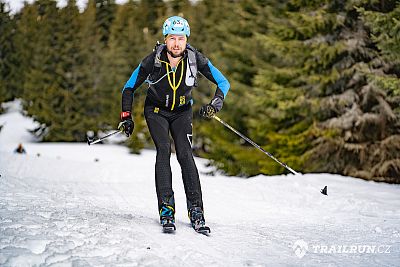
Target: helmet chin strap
[[172, 55]]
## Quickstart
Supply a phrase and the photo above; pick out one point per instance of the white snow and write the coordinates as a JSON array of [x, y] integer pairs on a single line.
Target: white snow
[[67, 204]]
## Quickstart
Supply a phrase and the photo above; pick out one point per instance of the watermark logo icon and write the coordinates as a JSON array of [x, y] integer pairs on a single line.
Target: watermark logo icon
[[300, 248]]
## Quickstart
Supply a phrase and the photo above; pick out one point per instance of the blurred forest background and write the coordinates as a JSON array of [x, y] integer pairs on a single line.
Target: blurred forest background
[[315, 83]]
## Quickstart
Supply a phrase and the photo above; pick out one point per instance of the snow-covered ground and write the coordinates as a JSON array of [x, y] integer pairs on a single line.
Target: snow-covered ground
[[78, 205]]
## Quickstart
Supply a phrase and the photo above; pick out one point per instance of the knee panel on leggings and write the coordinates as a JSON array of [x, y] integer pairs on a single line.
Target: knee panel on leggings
[[164, 150]]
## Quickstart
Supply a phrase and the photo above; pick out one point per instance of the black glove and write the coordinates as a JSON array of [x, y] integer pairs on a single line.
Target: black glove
[[126, 125], [209, 110]]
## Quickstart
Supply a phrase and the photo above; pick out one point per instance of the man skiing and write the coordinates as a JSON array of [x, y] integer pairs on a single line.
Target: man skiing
[[171, 72]]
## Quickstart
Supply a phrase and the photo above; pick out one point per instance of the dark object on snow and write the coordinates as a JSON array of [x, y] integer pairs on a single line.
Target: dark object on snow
[[325, 190], [20, 149]]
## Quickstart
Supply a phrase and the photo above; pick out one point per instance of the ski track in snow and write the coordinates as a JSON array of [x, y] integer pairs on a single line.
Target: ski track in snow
[[63, 208]]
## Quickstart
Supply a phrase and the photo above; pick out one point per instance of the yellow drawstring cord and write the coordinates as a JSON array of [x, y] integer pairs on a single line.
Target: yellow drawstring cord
[[173, 86]]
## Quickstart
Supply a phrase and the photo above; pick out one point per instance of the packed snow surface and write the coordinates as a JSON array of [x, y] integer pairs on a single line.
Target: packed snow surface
[[70, 204]]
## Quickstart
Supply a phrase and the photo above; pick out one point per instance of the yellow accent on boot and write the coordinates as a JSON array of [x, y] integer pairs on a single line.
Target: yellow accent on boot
[[168, 206]]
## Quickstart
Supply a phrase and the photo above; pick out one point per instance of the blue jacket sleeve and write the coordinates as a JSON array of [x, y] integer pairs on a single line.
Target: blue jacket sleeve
[[208, 70], [138, 76], [133, 83]]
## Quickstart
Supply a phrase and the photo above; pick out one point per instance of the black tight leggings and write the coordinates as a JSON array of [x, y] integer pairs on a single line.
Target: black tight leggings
[[179, 123]]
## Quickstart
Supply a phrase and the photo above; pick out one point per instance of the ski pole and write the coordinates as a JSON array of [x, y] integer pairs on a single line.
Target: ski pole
[[90, 142], [255, 145]]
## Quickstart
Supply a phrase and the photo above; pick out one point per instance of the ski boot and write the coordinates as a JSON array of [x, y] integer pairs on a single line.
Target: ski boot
[[196, 217], [167, 218]]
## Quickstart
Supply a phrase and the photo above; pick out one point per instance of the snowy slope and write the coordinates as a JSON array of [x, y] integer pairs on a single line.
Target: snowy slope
[[75, 205]]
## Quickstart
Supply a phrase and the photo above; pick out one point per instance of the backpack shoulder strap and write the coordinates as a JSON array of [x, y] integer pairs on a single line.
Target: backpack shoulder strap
[[192, 60], [159, 48]]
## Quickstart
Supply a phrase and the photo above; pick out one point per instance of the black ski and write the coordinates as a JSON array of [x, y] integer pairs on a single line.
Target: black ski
[[168, 226], [205, 230]]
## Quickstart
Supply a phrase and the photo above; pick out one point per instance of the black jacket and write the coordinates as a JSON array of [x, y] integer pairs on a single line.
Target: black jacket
[[171, 91]]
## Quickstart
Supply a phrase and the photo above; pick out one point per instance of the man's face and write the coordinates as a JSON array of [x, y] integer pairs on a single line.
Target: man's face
[[176, 44]]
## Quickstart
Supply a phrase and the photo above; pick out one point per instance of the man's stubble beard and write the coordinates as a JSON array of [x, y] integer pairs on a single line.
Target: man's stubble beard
[[173, 55]]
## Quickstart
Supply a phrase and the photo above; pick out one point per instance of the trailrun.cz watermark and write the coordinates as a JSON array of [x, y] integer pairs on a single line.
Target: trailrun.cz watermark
[[301, 248]]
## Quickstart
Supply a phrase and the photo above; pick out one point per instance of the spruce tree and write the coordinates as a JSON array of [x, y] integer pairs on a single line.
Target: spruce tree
[[55, 91], [359, 125], [25, 39], [105, 15], [9, 88], [233, 49], [133, 35], [129, 42], [40, 84], [74, 96], [314, 99], [92, 51]]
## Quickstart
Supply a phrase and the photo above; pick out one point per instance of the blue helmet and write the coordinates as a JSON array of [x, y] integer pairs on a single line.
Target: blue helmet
[[176, 25]]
